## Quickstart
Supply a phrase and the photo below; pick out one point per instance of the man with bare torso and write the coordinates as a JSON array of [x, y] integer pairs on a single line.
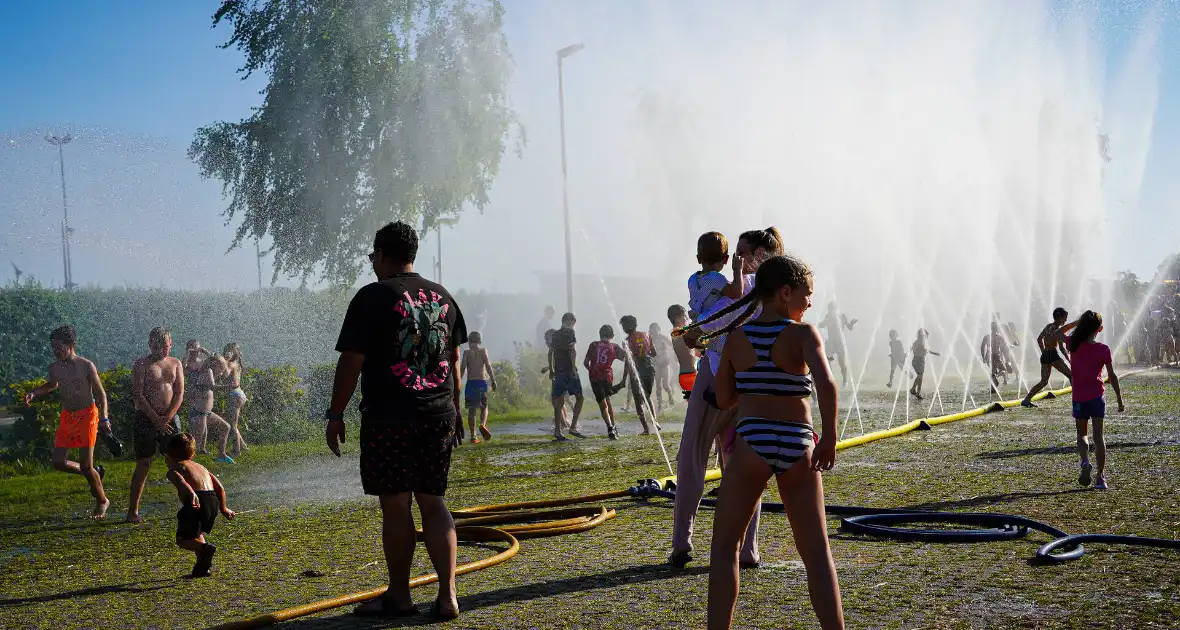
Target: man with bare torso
[[83, 403], [158, 386], [1050, 339]]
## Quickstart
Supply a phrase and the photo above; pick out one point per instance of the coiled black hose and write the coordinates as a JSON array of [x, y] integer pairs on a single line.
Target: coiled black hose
[[881, 522]]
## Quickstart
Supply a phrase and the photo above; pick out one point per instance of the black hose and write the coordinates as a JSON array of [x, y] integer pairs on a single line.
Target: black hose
[[881, 522]]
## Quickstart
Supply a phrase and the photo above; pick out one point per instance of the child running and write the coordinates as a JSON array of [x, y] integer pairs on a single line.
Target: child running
[[643, 355], [920, 350], [1089, 400], [1050, 339], [477, 366], [201, 498], [766, 373], [686, 357], [896, 356], [83, 408], [599, 363], [664, 357]]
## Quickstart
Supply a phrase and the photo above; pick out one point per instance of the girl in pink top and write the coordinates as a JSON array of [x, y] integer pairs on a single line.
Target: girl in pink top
[[1088, 358]]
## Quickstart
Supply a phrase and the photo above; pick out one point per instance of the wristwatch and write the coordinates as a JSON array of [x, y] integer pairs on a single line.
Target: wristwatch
[[333, 417]]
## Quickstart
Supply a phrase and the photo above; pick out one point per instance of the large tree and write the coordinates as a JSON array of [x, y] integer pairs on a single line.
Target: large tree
[[375, 110]]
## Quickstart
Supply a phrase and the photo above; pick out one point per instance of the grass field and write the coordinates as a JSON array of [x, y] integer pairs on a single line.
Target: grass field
[[305, 512]]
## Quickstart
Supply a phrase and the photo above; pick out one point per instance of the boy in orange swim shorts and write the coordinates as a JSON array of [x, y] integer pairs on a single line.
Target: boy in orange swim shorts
[[685, 356], [84, 403]]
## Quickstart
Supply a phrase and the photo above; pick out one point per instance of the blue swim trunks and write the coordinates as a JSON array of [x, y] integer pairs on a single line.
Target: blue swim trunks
[[1090, 409], [476, 393]]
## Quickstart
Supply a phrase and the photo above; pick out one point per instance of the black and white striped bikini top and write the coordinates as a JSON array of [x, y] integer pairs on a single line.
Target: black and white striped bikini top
[[764, 378]]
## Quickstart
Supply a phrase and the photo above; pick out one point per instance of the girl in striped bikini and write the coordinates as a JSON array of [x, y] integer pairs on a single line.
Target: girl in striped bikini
[[767, 371]]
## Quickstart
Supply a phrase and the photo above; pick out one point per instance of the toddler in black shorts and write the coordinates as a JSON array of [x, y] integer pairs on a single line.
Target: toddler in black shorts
[[201, 497]]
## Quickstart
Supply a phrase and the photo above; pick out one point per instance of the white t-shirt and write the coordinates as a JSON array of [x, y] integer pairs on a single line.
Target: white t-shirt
[[717, 344]]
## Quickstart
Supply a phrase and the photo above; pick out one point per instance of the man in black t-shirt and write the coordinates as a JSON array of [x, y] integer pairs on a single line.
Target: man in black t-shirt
[[403, 333], [566, 381]]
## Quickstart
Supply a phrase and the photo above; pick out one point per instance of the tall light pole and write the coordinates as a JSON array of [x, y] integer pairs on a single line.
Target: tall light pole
[[59, 142], [565, 199], [258, 255]]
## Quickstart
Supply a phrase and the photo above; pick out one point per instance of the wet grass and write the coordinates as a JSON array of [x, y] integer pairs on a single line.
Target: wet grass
[[59, 569]]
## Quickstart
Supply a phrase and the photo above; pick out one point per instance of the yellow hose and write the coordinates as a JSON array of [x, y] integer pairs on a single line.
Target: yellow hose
[[472, 524], [475, 520]]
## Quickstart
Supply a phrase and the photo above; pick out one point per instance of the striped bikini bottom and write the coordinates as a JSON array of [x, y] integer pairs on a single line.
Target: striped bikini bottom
[[777, 442]]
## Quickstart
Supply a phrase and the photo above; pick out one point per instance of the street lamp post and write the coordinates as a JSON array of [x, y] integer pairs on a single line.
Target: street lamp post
[[565, 200], [59, 142]]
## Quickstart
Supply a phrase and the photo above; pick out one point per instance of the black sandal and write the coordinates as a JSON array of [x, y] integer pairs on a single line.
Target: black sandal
[[388, 609], [437, 611]]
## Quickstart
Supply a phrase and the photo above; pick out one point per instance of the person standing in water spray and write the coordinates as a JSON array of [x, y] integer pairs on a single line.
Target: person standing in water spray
[[1052, 338], [194, 359], [478, 369], [896, 356], [665, 355], [237, 398], [835, 322], [157, 382], [703, 420], [686, 358], [1089, 357], [403, 333], [769, 368], [83, 410], [642, 371], [566, 381], [919, 350], [198, 397]]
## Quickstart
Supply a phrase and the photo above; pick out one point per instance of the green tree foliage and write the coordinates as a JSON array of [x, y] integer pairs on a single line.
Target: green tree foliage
[[376, 110]]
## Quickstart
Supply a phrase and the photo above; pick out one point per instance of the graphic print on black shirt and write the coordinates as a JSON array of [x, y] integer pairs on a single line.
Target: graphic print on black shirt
[[406, 326]]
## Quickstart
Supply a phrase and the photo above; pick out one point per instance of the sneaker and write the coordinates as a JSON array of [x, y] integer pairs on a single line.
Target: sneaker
[[576, 433], [1100, 484], [485, 432], [102, 472], [613, 435], [224, 460], [1027, 403], [1084, 476], [475, 440], [560, 438]]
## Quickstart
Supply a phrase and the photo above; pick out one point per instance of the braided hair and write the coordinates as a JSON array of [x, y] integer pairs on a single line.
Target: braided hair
[[774, 274]]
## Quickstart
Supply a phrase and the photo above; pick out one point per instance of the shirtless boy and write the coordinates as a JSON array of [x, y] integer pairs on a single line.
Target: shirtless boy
[[1051, 339], [478, 369], [686, 358], [157, 382], [202, 497], [83, 402]]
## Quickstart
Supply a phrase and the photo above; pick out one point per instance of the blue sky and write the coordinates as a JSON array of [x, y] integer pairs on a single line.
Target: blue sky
[[134, 79]]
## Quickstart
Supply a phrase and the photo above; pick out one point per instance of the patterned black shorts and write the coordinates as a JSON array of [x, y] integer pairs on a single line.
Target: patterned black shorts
[[406, 452]]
